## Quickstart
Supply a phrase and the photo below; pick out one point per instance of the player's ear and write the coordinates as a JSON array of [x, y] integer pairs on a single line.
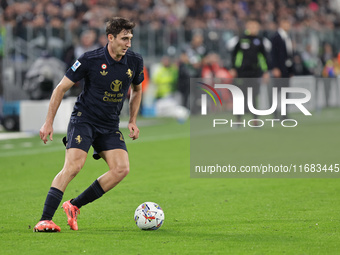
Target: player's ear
[[110, 37]]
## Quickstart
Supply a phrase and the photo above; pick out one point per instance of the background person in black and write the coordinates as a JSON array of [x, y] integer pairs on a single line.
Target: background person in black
[[281, 58], [108, 73], [186, 70], [249, 59]]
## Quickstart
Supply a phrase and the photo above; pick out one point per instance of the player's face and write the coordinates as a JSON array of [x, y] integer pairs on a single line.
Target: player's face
[[120, 44]]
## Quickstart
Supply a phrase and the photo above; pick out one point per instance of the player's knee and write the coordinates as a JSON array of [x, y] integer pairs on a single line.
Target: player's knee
[[121, 170], [73, 169], [126, 170]]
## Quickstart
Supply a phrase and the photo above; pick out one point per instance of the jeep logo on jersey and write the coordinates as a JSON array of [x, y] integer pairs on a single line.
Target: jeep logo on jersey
[[116, 85]]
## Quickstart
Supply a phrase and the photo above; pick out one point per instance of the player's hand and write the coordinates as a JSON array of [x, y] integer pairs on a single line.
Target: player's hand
[[276, 73], [134, 131], [46, 130]]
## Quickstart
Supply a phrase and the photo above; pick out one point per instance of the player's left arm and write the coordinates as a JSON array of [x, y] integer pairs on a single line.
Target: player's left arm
[[135, 100]]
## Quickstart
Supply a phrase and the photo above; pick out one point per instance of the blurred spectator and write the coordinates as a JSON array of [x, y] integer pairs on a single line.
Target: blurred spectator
[[311, 61], [330, 72], [212, 68], [249, 60], [299, 67], [213, 71], [87, 43], [250, 52], [68, 13], [43, 76], [327, 73], [196, 50], [166, 104], [55, 42], [282, 51], [186, 70], [3, 4], [38, 26], [102, 40], [282, 58], [332, 68], [326, 53], [165, 78]]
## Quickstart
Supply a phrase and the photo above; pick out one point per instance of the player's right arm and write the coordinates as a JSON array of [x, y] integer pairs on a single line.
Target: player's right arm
[[58, 93]]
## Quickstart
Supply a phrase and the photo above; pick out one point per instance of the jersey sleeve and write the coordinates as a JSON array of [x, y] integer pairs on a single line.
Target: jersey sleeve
[[139, 77], [78, 70]]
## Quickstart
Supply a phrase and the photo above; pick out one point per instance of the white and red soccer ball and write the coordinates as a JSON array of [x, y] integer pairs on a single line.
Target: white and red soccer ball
[[149, 216]]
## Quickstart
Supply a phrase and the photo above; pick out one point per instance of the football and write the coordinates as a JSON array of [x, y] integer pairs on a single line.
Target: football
[[149, 216]]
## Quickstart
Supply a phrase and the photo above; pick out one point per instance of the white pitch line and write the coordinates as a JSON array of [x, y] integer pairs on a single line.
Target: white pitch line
[[31, 151], [14, 135], [27, 144], [8, 146]]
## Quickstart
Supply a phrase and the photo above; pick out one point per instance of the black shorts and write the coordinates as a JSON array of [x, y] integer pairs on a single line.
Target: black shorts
[[82, 135]]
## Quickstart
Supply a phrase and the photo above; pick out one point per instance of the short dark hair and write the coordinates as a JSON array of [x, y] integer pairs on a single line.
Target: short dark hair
[[116, 25]]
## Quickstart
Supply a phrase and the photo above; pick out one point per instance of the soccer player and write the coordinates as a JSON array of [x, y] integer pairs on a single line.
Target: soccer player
[[108, 73]]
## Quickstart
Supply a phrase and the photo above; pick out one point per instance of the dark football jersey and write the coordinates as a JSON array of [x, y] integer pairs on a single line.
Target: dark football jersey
[[106, 83]]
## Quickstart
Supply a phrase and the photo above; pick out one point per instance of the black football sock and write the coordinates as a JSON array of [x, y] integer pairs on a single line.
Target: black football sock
[[53, 199], [92, 193]]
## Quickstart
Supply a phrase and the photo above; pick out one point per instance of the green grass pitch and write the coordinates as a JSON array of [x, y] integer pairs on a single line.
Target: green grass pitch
[[202, 216]]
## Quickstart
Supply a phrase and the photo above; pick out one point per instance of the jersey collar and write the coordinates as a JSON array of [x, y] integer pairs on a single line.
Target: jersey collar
[[111, 61]]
